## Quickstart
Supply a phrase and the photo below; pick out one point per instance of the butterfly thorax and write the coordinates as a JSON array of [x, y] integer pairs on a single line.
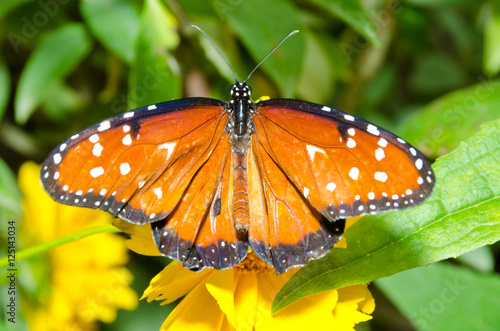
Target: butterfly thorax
[[240, 127], [240, 124]]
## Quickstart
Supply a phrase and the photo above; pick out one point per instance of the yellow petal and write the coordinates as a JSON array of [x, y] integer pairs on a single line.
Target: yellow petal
[[312, 312], [173, 282], [141, 240], [197, 311], [245, 301], [39, 210], [220, 284], [347, 312]]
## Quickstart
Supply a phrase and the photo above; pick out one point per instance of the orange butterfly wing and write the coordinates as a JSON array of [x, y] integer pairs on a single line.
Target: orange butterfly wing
[[136, 165], [344, 166], [200, 232], [287, 232], [317, 164]]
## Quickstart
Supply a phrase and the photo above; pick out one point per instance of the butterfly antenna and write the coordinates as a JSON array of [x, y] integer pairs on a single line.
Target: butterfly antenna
[[271, 52], [218, 51]]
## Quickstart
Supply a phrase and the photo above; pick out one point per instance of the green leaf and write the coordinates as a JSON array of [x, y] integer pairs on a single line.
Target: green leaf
[[480, 259], [316, 81], [154, 76], [353, 13], [439, 3], [491, 55], [115, 23], [10, 195], [61, 101], [57, 56], [6, 6], [260, 34], [462, 214], [445, 297], [4, 87], [440, 126]]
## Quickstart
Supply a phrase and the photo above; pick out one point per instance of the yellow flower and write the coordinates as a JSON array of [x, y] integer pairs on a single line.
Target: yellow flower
[[241, 298], [79, 283]]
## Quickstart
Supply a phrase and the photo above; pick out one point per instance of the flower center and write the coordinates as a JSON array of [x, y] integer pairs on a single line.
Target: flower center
[[252, 263]]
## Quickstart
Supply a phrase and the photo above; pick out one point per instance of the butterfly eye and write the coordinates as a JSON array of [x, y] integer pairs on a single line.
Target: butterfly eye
[[233, 89]]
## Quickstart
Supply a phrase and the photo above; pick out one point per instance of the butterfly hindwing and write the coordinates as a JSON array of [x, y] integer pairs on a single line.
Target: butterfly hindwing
[[200, 231], [138, 164], [342, 165], [291, 233]]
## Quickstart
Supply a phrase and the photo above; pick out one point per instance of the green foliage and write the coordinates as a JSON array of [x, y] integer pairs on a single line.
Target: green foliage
[[5, 91], [155, 74], [10, 204], [462, 214], [56, 56], [445, 297], [424, 69], [440, 126], [115, 23]]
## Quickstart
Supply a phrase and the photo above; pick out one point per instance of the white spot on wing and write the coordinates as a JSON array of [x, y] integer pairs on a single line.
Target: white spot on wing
[[413, 151], [56, 175], [380, 176], [141, 184], [62, 147], [371, 195], [382, 142], [124, 168], [96, 172], [73, 137], [128, 115], [419, 163], [57, 158], [354, 173], [94, 138], [351, 132], [401, 140], [351, 143], [103, 192], [312, 150], [126, 128], [169, 147], [306, 192], [409, 192], [325, 108], [349, 117], [97, 149], [65, 188], [331, 187], [379, 154], [104, 126], [158, 192], [127, 140], [420, 181], [79, 192], [372, 129], [152, 107]]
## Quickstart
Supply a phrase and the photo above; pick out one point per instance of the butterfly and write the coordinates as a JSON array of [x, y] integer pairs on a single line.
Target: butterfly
[[216, 178]]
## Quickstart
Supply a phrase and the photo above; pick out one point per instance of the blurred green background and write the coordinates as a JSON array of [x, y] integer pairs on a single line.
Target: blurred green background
[[425, 70]]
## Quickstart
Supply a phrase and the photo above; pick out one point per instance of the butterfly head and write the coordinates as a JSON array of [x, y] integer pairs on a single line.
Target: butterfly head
[[240, 91]]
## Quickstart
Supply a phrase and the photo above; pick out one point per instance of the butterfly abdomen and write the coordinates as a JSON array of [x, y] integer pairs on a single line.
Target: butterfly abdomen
[[240, 191]]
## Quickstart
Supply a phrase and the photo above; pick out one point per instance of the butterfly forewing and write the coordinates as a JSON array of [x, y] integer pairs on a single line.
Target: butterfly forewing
[[136, 165], [342, 165]]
